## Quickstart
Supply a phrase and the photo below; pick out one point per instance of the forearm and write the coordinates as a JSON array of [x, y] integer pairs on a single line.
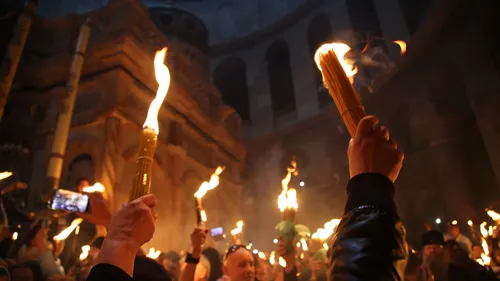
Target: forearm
[[118, 253], [188, 273], [370, 241]]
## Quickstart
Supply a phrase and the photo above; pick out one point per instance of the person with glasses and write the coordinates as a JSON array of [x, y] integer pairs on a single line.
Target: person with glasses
[[239, 264]]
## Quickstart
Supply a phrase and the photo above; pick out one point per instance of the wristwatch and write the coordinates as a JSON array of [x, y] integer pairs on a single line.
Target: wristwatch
[[192, 260]]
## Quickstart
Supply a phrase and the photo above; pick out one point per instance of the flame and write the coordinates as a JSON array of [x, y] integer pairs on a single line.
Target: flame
[[455, 222], [303, 242], [67, 231], [282, 262], [323, 234], [4, 175], [14, 236], [213, 183], [85, 252], [153, 254], [163, 78], [97, 187], [325, 246], [238, 229], [493, 215], [203, 216], [272, 258], [288, 197], [262, 255], [340, 51], [402, 46], [483, 230], [470, 223], [485, 255]]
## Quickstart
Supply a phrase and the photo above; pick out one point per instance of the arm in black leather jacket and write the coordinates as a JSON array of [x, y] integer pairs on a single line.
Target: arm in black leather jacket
[[370, 242]]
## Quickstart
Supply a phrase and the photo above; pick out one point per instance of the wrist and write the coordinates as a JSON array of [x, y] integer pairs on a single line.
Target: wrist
[[120, 253], [191, 259]]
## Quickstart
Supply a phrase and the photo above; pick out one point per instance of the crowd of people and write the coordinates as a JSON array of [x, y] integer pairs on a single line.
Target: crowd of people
[[368, 244]]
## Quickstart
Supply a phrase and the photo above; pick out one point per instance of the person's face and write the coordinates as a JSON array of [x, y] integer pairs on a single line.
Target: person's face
[[24, 274], [240, 266], [433, 250]]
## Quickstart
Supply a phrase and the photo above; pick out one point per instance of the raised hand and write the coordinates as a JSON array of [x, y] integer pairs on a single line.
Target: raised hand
[[198, 238], [373, 151]]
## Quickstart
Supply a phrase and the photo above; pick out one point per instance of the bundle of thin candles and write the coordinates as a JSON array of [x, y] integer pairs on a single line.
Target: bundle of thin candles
[[339, 84]]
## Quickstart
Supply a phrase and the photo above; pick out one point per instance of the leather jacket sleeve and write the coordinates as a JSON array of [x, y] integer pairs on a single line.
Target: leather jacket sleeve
[[370, 242]]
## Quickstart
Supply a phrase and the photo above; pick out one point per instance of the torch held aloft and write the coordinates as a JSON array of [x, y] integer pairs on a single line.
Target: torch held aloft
[[144, 164]]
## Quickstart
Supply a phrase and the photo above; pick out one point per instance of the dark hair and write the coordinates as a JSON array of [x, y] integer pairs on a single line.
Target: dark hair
[[213, 258], [148, 269]]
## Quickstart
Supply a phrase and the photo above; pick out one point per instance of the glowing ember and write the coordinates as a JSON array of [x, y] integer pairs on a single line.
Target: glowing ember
[[238, 229], [163, 78], [97, 187], [288, 197], [213, 183], [153, 254], [402, 46], [203, 216], [493, 215], [323, 234], [4, 175], [67, 231], [85, 252], [340, 51]]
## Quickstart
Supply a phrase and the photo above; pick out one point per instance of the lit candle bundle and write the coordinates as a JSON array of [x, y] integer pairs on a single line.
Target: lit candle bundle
[[201, 216], [147, 146], [236, 231], [338, 76], [287, 200], [97, 187], [68, 230], [287, 203], [4, 175]]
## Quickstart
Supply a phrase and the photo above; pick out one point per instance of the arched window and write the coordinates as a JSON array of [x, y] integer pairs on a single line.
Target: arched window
[[280, 78], [230, 77], [318, 33], [414, 12], [364, 19]]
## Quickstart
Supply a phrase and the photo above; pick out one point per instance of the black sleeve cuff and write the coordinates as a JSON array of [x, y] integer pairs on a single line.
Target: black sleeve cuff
[[103, 272], [370, 189]]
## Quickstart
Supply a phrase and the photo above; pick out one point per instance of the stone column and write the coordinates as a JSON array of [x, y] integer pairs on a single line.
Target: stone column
[[110, 159], [302, 64], [391, 20], [261, 111]]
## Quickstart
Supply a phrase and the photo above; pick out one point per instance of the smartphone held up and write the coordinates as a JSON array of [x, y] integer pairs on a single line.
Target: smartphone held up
[[66, 200]]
